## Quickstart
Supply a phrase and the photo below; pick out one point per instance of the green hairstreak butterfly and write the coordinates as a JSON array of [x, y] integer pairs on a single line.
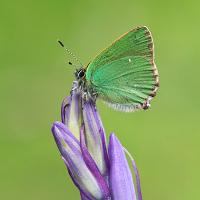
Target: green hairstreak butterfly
[[123, 75]]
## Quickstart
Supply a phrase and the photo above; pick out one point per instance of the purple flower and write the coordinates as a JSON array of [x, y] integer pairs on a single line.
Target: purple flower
[[97, 172]]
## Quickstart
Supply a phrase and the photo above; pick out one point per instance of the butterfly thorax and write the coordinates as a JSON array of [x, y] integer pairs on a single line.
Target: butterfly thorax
[[83, 86]]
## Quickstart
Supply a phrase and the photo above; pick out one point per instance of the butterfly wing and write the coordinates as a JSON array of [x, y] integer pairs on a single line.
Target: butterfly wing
[[124, 75]]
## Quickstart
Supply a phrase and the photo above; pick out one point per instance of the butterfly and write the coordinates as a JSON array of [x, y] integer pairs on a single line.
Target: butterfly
[[124, 74]]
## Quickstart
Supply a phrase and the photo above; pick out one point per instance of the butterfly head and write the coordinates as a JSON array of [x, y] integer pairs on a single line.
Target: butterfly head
[[80, 74]]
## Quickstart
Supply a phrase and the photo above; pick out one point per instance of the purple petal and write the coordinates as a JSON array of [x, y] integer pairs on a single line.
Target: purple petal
[[69, 148], [65, 109], [83, 193], [71, 113], [139, 193], [93, 167], [121, 182], [95, 136], [137, 180], [83, 197]]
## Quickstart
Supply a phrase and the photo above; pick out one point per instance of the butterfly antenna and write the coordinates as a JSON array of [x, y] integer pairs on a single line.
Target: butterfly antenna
[[69, 52]]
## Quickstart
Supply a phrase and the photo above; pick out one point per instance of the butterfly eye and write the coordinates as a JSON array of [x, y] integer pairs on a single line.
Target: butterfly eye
[[81, 73]]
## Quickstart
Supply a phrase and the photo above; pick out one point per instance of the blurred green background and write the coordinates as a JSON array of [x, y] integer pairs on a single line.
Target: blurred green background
[[35, 77]]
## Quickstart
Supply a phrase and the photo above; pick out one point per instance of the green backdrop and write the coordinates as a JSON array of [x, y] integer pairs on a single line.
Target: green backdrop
[[35, 77]]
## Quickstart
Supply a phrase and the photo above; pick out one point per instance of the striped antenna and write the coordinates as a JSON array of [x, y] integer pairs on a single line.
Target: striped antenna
[[69, 52]]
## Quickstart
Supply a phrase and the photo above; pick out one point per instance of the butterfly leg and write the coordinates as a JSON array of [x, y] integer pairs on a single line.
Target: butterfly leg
[[85, 96], [94, 96]]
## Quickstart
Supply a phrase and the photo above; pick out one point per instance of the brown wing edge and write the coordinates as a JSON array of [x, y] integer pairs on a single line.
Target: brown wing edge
[[146, 104]]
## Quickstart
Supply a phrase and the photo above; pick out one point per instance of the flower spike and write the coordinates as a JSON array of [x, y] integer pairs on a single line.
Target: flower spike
[[100, 173]]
